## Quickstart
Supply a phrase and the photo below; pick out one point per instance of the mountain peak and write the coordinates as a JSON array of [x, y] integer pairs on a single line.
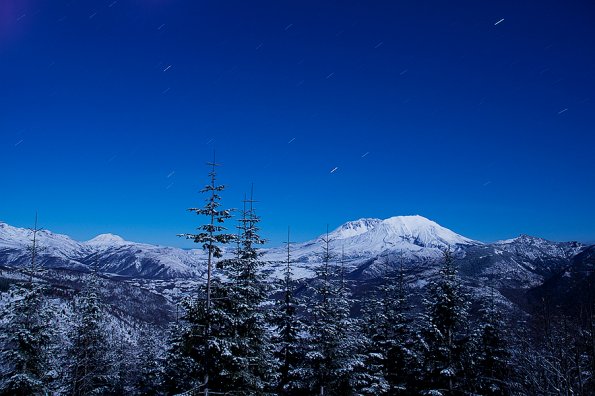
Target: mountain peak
[[107, 240], [414, 221], [522, 238], [399, 232], [421, 231], [354, 228]]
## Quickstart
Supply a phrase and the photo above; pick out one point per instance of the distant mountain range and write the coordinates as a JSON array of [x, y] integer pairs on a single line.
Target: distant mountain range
[[368, 249], [146, 282]]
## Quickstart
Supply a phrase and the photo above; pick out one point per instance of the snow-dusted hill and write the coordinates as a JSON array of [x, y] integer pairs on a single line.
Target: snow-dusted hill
[[112, 254]]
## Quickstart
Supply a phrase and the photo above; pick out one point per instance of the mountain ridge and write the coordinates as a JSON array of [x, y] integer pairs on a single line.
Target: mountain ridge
[[369, 248]]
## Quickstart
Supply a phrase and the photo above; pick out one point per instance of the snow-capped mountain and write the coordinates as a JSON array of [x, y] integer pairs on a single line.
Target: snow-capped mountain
[[404, 232], [106, 241], [369, 248], [110, 252], [375, 242]]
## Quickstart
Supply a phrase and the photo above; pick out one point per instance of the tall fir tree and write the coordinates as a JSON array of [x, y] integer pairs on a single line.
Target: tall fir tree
[[26, 335], [182, 370], [444, 332], [212, 234], [244, 345], [287, 329], [25, 338], [191, 359], [122, 363], [148, 362], [330, 358], [492, 373], [89, 371], [373, 378], [355, 376], [392, 360]]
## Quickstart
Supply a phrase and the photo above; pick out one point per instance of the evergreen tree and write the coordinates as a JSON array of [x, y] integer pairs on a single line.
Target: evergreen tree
[[373, 379], [391, 358], [243, 342], [331, 357], [492, 373], [25, 335], [286, 339], [193, 350], [444, 325], [122, 363], [182, 370], [89, 369], [148, 363], [226, 342], [211, 235]]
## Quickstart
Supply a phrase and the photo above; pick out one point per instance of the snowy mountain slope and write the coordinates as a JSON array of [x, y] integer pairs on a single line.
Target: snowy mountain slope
[[414, 239], [111, 253], [417, 244], [149, 261], [55, 244], [520, 264], [353, 228], [572, 287], [540, 255]]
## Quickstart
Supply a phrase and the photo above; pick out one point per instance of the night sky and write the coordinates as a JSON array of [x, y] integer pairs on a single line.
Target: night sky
[[478, 115]]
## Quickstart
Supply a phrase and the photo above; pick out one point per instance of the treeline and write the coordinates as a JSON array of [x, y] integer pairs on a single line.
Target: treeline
[[242, 334]]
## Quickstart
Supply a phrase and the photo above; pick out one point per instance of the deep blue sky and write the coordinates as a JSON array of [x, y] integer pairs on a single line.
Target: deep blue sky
[[109, 109]]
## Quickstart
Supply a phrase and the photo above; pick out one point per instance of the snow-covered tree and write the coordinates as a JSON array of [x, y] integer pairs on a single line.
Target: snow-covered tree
[[331, 355], [444, 327], [25, 335], [287, 338], [148, 367], [243, 347], [371, 380], [225, 346], [89, 368], [122, 362], [192, 352], [182, 363], [492, 359], [211, 234], [391, 358]]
